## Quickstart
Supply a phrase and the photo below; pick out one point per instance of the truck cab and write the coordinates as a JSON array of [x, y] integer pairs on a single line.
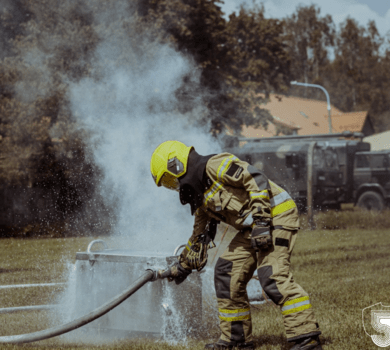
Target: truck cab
[[371, 188]]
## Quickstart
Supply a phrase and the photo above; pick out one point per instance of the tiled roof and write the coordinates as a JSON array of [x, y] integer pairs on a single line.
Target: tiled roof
[[248, 131], [352, 121], [307, 117]]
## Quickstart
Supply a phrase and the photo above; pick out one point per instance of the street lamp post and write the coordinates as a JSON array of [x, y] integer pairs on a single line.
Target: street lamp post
[[327, 98]]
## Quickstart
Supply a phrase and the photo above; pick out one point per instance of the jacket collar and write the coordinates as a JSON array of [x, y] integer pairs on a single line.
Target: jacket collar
[[195, 181]]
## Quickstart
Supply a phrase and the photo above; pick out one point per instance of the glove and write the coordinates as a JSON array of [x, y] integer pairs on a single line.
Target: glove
[[261, 234], [195, 254], [196, 257], [176, 273]]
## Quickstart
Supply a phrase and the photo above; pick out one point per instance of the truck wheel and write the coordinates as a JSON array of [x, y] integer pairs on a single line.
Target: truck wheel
[[371, 200]]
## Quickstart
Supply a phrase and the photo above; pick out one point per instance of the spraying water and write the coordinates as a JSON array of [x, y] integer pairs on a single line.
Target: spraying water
[[128, 114]]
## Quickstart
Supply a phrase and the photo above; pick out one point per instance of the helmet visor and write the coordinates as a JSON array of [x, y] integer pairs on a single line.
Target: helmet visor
[[175, 166], [169, 181]]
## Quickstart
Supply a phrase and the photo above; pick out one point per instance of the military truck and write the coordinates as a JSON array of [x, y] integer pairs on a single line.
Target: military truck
[[334, 175]]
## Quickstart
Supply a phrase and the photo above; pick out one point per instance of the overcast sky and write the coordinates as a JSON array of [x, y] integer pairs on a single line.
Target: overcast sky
[[360, 10]]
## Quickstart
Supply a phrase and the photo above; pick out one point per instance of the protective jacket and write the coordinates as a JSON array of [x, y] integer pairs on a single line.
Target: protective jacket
[[238, 192]]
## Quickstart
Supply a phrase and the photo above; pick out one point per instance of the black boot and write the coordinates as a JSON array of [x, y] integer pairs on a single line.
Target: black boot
[[248, 346], [310, 343], [220, 345], [224, 345]]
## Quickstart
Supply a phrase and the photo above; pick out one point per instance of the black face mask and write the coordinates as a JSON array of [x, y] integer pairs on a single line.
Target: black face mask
[[195, 181]]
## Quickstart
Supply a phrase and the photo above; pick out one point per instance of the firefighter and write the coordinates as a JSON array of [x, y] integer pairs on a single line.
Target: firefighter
[[222, 187]]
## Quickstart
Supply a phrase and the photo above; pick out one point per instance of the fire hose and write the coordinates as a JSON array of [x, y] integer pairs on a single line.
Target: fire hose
[[149, 275]]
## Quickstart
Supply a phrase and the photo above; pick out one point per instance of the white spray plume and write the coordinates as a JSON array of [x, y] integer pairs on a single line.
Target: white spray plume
[[130, 111]]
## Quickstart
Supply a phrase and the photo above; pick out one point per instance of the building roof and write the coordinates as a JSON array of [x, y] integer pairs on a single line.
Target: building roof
[[310, 116], [379, 141], [248, 131], [305, 117], [353, 121]]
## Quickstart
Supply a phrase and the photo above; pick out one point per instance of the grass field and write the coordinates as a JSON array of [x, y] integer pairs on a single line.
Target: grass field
[[343, 270]]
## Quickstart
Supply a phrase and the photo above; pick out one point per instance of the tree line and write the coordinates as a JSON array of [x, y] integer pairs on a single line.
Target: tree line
[[47, 44]]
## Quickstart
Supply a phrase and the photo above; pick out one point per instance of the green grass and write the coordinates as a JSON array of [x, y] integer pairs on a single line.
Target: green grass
[[343, 270], [348, 218]]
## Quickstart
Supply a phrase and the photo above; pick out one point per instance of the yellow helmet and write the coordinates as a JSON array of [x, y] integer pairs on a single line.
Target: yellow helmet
[[169, 162]]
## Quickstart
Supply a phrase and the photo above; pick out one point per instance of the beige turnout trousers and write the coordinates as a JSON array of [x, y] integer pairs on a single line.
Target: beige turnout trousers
[[235, 268]]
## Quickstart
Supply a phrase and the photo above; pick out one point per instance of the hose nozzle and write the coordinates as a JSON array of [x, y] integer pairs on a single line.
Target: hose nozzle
[[164, 273]]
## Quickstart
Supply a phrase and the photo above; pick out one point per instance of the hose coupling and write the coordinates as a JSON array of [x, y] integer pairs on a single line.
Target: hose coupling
[[160, 274], [155, 275]]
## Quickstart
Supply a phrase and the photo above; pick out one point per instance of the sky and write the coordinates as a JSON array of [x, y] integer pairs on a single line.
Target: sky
[[360, 10]]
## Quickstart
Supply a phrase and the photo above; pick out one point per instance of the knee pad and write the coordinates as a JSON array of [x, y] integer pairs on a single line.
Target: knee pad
[[268, 284], [222, 278]]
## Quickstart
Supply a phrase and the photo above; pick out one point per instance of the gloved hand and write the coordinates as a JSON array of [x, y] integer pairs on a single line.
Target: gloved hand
[[196, 258], [195, 254], [176, 273], [261, 234]]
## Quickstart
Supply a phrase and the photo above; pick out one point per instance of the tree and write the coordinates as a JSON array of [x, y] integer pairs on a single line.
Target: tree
[[237, 59], [379, 93], [309, 39], [42, 150], [197, 29], [354, 71], [259, 62]]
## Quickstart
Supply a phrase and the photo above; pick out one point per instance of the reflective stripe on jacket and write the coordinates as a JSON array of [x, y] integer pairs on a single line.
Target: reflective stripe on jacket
[[240, 191]]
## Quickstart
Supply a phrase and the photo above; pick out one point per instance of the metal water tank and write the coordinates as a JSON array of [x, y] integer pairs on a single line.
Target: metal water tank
[[159, 309]]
